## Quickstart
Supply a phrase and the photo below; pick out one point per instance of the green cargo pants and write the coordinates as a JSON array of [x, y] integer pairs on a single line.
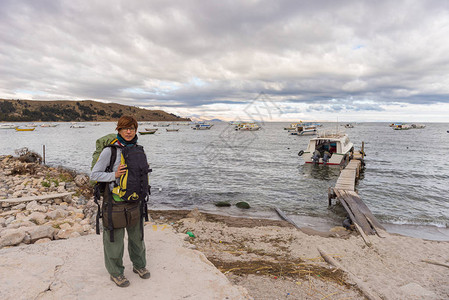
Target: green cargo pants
[[113, 251]]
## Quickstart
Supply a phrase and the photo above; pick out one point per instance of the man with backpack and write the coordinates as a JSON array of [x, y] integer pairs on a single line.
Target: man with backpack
[[121, 172]]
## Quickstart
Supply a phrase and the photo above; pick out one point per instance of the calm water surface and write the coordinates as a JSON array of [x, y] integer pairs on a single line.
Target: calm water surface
[[405, 181]]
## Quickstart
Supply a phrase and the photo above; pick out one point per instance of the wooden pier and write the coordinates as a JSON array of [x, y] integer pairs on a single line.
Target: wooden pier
[[345, 192]]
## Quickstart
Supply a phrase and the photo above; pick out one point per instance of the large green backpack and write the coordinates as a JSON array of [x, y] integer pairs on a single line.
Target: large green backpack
[[102, 142], [133, 186]]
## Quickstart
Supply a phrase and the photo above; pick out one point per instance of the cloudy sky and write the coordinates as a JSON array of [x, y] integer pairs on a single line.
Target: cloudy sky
[[286, 60]]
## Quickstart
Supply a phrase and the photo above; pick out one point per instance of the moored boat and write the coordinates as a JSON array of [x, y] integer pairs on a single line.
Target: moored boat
[[304, 130], [25, 129], [77, 126], [247, 127], [151, 130], [7, 126], [402, 127], [172, 129], [202, 126], [146, 132], [331, 148]]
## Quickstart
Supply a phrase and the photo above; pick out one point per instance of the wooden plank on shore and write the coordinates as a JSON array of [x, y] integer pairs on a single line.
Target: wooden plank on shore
[[354, 213], [366, 211], [284, 216], [360, 216], [37, 198], [370, 295]]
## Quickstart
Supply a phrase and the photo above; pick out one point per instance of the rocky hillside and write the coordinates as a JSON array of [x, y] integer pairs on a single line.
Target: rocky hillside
[[71, 111]]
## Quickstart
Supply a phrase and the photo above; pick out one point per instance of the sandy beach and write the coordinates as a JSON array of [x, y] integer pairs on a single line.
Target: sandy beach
[[50, 245], [274, 260]]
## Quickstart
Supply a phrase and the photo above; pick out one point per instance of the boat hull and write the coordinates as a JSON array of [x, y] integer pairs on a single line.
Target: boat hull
[[25, 129], [335, 160]]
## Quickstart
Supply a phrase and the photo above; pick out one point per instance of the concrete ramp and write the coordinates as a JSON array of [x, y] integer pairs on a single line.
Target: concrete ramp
[[74, 269]]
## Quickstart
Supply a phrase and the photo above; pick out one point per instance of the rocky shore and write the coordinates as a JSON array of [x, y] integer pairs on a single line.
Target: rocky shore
[[57, 203]]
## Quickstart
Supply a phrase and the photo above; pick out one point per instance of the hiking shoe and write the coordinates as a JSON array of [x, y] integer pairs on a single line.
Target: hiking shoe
[[120, 280], [143, 272]]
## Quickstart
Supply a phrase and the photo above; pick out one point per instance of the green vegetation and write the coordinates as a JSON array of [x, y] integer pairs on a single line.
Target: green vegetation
[[75, 111], [46, 184]]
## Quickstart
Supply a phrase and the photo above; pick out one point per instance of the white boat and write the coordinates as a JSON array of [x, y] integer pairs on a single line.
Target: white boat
[[247, 127], [402, 127], [77, 126], [31, 125], [418, 126], [49, 125], [152, 130], [304, 130], [331, 148], [202, 126], [7, 126], [293, 126]]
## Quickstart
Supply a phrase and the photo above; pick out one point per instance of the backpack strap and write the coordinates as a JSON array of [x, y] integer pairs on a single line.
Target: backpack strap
[[102, 186]]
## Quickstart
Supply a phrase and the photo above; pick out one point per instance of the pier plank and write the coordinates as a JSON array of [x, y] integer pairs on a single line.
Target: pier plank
[[350, 205], [366, 211], [37, 198]]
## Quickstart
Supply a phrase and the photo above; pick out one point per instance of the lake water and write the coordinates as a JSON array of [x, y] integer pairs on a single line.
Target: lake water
[[404, 183]]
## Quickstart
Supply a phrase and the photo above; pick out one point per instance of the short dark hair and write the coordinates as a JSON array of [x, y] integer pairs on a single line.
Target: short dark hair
[[126, 122]]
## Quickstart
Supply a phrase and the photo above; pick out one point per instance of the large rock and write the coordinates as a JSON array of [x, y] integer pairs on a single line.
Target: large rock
[[64, 234], [21, 223], [11, 237], [58, 213], [37, 217], [34, 206], [27, 275], [40, 232], [81, 180]]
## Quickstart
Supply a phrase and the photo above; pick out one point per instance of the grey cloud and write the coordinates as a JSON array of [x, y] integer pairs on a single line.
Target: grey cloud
[[149, 52]]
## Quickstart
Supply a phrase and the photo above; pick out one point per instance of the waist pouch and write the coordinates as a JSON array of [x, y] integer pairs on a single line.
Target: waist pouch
[[123, 215]]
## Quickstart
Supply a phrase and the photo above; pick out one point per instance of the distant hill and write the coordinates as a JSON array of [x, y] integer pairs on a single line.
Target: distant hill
[[71, 111]]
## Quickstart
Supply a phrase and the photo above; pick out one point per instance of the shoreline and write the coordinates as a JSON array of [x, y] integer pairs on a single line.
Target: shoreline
[[426, 232]]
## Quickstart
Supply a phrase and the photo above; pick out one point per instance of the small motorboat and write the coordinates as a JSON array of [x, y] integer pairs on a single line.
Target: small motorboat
[[25, 129], [304, 130], [151, 130], [202, 126], [172, 129], [77, 126], [247, 127], [329, 148], [146, 132], [402, 127], [418, 126], [7, 126]]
